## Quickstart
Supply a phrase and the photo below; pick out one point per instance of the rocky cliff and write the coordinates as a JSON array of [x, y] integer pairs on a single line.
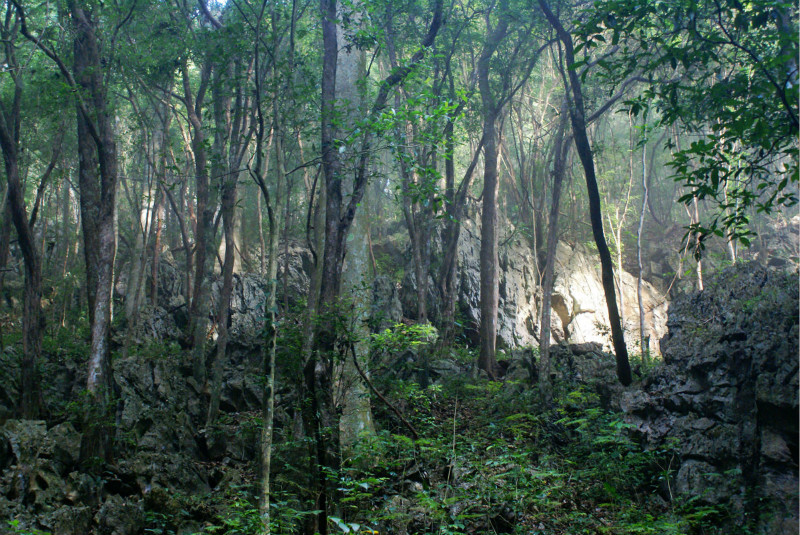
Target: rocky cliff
[[579, 307], [726, 399]]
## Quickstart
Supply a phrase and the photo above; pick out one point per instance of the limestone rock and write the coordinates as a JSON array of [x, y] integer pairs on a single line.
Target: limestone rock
[[727, 396], [386, 307], [579, 307], [517, 308], [580, 304]]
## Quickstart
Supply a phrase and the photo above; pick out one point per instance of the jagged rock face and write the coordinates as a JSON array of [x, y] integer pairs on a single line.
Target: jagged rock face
[[299, 267], [386, 307], [517, 314], [161, 450], [247, 306], [727, 397], [579, 314]]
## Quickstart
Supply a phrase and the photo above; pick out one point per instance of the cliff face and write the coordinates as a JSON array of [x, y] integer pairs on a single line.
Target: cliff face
[[579, 307], [727, 397]]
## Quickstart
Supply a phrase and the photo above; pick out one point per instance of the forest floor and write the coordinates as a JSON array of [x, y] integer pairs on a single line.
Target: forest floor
[[494, 459], [491, 458]]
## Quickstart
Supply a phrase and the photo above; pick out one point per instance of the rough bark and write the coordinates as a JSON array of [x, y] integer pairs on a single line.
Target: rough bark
[[489, 269], [98, 185], [204, 232], [30, 401], [32, 327], [227, 182]]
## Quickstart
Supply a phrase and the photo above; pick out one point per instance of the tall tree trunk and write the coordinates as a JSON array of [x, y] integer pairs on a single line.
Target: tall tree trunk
[[160, 207], [268, 366], [204, 234], [227, 182], [97, 149], [277, 134], [30, 389], [228, 208], [644, 339], [320, 418], [560, 150], [447, 272], [488, 255], [355, 415], [577, 116], [30, 401]]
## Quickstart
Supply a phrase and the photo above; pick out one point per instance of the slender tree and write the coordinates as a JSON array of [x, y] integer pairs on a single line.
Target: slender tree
[[578, 119]]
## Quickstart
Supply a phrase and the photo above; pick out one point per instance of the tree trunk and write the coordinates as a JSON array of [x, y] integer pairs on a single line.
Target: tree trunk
[[204, 235], [5, 243], [221, 94], [560, 150], [447, 272], [643, 338], [223, 311], [488, 256], [98, 210], [577, 116], [30, 402]]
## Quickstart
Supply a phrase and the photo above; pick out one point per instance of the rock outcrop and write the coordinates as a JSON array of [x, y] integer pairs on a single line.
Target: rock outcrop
[[579, 308], [579, 303], [161, 450], [726, 399]]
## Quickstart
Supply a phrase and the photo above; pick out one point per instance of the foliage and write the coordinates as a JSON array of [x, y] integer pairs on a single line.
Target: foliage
[[403, 337], [492, 459], [725, 72], [13, 525]]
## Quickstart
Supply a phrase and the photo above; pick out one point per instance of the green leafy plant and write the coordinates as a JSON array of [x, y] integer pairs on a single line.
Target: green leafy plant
[[14, 526]]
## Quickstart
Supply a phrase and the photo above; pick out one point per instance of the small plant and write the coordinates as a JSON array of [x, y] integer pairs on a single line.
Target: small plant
[[17, 530]]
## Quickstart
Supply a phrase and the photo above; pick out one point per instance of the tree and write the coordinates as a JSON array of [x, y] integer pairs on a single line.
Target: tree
[[10, 128], [488, 257], [724, 72], [560, 151], [320, 417], [578, 119], [517, 62]]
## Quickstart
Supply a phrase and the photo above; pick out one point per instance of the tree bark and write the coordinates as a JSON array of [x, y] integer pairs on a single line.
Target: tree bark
[[577, 117], [30, 401], [643, 338], [560, 150], [488, 255], [227, 184], [204, 234], [30, 405], [320, 417], [97, 149]]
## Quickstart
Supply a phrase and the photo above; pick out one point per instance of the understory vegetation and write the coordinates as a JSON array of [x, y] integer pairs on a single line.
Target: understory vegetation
[[489, 461], [491, 458]]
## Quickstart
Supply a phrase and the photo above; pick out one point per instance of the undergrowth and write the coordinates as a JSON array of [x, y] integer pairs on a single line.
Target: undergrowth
[[491, 459]]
